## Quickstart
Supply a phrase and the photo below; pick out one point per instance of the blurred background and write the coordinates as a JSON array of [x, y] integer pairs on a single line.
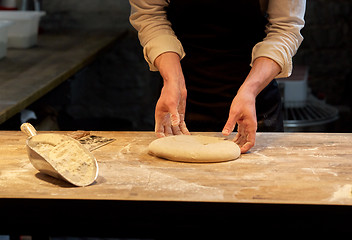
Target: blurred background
[[118, 92]]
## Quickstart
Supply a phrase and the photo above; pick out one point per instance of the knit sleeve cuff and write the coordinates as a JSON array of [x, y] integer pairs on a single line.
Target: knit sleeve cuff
[[159, 45], [276, 53]]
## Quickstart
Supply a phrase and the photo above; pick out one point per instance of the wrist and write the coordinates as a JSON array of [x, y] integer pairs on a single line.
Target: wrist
[[169, 67], [262, 73]]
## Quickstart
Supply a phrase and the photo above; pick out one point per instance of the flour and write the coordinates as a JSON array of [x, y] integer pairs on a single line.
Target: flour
[[343, 193], [44, 149], [71, 160]]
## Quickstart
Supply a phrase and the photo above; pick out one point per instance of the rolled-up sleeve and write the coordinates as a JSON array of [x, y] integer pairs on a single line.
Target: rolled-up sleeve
[[286, 19], [155, 34]]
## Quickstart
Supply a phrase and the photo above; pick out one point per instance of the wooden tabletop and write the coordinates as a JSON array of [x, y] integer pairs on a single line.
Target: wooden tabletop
[[28, 74], [292, 168], [288, 183]]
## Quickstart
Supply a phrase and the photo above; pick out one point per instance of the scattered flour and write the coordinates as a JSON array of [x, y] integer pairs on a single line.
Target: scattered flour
[[343, 193]]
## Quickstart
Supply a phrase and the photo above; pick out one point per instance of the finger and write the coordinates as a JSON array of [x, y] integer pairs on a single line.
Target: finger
[[230, 125], [237, 136], [168, 131], [176, 130], [241, 140], [246, 138], [183, 126], [159, 127], [250, 142], [160, 134], [245, 148], [159, 131], [175, 118], [251, 136]]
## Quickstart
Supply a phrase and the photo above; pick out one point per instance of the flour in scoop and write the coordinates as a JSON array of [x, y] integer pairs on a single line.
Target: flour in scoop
[[70, 159], [72, 162]]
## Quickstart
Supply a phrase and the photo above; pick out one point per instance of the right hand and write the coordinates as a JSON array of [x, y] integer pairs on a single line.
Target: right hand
[[171, 106], [170, 111]]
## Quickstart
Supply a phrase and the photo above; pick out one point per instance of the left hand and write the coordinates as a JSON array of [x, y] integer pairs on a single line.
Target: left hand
[[242, 113]]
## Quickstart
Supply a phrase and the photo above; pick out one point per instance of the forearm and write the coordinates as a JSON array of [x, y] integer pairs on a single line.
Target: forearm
[[262, 73], [169, 67]]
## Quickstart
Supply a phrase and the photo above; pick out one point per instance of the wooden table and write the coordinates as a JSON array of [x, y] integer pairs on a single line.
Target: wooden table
[[28, 74], [288, 180]]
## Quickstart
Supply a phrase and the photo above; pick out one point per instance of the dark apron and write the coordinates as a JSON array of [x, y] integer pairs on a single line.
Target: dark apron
[[218, 38]]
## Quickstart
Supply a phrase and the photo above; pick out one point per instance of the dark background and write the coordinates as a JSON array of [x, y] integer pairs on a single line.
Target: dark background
[[118, 92]]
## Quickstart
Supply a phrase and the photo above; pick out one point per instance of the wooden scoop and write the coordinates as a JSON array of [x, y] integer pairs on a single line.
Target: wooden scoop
[[60, 156]]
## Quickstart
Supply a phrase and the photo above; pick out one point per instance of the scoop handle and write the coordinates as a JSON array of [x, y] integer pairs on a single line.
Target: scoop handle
[[28, 129]]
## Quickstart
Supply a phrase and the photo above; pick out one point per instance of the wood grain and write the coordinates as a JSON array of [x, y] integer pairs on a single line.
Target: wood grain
[[294, 168], [28, 74]]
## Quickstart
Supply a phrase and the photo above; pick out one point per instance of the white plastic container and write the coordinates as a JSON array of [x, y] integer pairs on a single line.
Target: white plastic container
[[4, 25], [23, 33], [295, 87]]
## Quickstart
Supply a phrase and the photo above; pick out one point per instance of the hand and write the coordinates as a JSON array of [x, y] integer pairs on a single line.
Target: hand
[[243, 113], [170, 111], [171, 106]]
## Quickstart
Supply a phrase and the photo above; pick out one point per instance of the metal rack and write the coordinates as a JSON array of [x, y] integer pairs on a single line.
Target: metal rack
[[312, 115]]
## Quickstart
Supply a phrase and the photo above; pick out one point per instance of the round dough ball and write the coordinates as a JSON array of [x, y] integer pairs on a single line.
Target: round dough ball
[[194, 148]]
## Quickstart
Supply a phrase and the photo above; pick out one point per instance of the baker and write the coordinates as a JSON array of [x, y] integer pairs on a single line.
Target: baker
[[235, 50]]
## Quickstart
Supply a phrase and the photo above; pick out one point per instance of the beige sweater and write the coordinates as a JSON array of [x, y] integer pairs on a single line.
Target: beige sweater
[[283, 37]]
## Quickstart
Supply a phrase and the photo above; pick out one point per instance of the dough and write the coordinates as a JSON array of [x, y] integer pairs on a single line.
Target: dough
[[194, 148]]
